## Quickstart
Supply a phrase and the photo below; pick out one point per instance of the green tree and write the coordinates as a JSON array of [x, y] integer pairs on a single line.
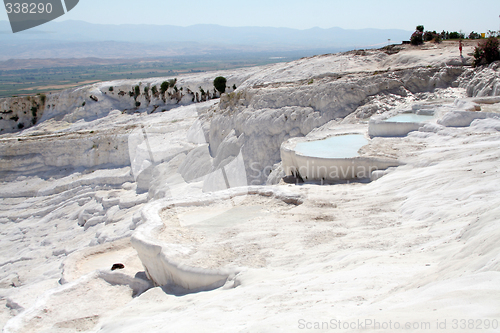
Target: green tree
[[220, 84], [420, 28], [164, 86], [456, 35], [474, 35]]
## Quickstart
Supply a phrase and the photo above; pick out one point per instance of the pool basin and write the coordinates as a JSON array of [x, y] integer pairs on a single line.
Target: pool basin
[[330, 159], [341, 146], [398, 125]]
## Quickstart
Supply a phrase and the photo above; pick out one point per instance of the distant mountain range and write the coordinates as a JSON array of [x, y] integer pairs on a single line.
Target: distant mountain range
[[82, 39]]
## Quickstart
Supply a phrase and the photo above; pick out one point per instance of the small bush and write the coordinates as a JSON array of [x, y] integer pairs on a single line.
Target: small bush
[[474, 35], [492, 33], [20, 125], [154, 90], [137, 91], [456, 35], [430, 35], [220, 84], [146, 90], [164, 86], [417, 38], [137, 104], [110, 89], [43, 98], [487, 52], [420, 28], [234, 87], [172, 82], [437, 39]]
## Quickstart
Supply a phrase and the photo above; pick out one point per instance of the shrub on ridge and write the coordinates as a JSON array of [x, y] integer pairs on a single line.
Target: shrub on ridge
[[220, 84], [417, 38], [487, 52]]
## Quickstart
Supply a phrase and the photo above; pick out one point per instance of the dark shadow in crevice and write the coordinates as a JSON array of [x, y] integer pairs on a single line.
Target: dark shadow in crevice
[[299, 181], [293, 180], [142, 276], [178, 291]]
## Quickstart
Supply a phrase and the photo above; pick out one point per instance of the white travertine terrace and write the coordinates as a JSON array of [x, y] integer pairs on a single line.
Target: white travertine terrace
[[87, 186], [317, 168]]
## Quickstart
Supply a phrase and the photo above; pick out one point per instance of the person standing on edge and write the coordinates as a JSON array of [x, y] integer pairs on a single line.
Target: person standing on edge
[[460, 47]]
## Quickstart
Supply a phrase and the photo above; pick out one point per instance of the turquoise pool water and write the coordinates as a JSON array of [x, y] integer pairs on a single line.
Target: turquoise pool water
[[409, 118], [342, 146]]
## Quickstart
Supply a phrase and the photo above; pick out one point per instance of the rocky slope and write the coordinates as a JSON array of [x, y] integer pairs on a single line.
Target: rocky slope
[[271, 104]]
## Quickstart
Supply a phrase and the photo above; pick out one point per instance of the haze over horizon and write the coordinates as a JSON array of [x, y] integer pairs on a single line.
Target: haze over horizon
[[360, 14]]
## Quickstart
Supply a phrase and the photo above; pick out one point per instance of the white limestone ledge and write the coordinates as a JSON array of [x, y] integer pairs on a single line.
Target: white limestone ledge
[[461, 113], [465, 118], [311, 168], [381, 128], [160, 259]]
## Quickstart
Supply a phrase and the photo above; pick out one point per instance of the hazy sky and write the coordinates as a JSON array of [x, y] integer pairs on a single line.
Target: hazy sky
[[355, 14]]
